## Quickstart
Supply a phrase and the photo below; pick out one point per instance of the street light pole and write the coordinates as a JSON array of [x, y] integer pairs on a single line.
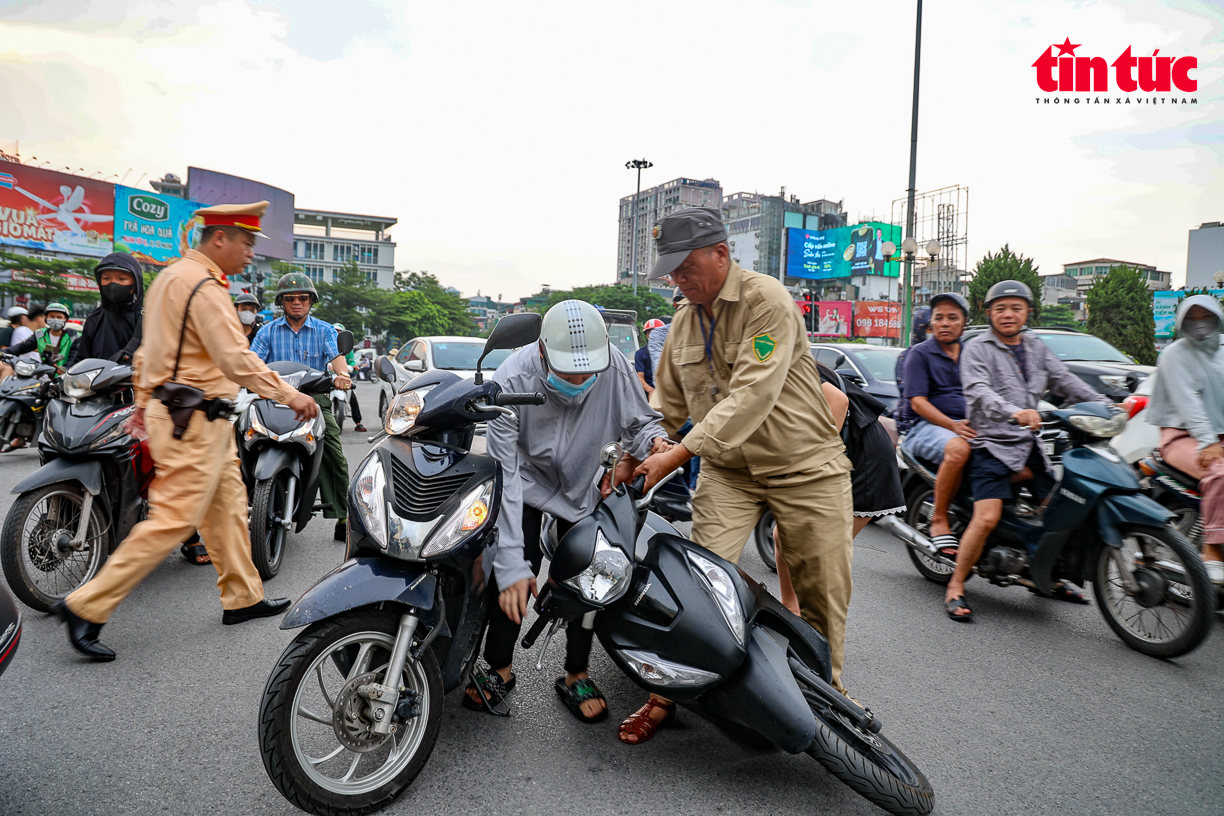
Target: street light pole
[[639, 165], [911, 218]]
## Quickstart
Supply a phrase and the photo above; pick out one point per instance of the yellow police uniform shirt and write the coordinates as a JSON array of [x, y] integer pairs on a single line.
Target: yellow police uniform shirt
[[755, 401], [216, 358]]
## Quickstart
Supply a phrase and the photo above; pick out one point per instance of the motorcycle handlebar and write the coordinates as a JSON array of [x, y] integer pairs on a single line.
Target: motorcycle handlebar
[[533, 633], [639, 485], [509, 398]]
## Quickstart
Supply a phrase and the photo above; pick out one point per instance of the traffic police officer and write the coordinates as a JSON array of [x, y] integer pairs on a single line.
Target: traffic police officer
[[193, 353], [737, 362]]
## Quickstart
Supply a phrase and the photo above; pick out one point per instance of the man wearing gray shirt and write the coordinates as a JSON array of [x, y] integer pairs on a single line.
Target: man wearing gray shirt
[[1004, 373]]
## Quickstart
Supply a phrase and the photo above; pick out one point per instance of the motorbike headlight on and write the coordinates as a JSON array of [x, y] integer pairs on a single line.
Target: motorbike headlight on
[[471, 516], [1114, 380], [718, 583], [403, 410], [1099, 426], [368, 494], [80, 385], [25, 368], [660, 672], [608, 576]]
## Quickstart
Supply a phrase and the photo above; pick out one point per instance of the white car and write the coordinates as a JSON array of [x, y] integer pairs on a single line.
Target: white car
[[1140, 437], [457, 354]]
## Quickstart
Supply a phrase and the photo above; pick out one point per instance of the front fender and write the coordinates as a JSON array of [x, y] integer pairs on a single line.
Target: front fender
[[272, 460], [87, 472], [361, 582], [1119, 509]]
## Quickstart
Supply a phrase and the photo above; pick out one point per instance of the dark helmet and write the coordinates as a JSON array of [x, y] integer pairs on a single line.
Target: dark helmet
[[247, 298], [921, 322], [952, 296], [1008, 288], [295, 282]]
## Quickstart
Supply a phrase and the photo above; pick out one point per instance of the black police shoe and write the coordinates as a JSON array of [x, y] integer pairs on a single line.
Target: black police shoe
[[82, 634], [263, 609]]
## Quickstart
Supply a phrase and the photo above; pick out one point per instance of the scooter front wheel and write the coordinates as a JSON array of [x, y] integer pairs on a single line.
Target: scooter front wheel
[[315, 734], [269, 507], [762, 534]]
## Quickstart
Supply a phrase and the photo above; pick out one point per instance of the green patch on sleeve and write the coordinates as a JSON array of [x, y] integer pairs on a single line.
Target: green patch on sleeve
[[763, 347]]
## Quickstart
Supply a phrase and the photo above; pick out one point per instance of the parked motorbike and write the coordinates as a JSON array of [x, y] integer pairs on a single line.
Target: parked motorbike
[[339, 400], [1096, 526], [352, 709], [23, 398], [10, 629], [73, 511]]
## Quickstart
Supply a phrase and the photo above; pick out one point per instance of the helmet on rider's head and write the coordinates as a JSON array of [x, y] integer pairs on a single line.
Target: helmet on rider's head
[[1006, 289], [921, 322], [575, 339], [16, 311], [59, 307], [245, 299], [960, 302], [295, 283], [654, 323]]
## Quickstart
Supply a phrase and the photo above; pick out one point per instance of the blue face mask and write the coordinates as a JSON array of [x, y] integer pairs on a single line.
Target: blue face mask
[[568, 388]]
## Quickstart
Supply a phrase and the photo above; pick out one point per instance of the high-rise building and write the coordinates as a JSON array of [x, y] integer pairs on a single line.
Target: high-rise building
[[1205, 256], [653, 204], [325, 241], [755, 223]]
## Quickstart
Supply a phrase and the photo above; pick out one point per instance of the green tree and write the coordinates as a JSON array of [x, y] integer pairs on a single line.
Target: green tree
[[1120, 312], [353, 299], [459, 320], [1058, 316], [43, 279], [619, 296], [1001, 266], [411, 313]]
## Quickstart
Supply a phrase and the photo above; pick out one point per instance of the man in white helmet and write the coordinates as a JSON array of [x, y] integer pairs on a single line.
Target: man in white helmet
[[549, 461]]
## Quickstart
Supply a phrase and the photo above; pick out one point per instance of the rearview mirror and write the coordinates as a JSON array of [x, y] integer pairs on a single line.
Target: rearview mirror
[[415, 365], [344, 342], [851, 375], [385, 369], [512, 331]]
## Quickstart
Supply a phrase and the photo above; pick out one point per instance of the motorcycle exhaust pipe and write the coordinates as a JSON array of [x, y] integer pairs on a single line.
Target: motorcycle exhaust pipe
[[909, 535]]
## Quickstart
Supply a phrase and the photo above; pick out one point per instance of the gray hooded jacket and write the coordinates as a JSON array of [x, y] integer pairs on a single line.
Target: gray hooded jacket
[[550, 456], [1189, 390]]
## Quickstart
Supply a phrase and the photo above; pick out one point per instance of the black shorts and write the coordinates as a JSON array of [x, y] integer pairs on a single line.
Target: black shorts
[[991, 479]]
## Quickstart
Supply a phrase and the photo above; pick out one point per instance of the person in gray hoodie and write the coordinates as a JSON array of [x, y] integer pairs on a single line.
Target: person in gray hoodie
[[549, 455], [1188, 406]]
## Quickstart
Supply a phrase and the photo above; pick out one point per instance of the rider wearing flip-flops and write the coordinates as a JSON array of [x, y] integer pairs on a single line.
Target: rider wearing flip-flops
[[549, 456], [1005, 371]]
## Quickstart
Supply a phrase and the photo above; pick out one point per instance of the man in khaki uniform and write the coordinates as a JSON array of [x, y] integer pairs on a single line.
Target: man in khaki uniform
[[737, 362], [198, 484]]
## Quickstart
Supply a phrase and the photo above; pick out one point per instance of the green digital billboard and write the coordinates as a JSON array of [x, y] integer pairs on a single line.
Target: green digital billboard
[[841, 252]]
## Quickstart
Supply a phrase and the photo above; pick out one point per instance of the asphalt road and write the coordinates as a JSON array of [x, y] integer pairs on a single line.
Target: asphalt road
[[1035, 708]]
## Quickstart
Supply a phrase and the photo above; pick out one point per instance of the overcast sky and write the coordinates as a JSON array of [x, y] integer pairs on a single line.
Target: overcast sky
[[497, 132]]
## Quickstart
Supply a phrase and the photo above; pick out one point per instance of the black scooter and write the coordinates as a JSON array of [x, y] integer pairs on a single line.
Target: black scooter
[[72, 512], [1178, 492], [280, 459], [352, 709], [23, 399]]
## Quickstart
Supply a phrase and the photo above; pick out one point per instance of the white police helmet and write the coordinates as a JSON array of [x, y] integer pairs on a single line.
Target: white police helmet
[[575, 339]]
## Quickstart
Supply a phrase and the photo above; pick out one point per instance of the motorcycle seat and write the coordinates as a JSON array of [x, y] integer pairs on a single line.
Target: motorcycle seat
[[1186, 479]]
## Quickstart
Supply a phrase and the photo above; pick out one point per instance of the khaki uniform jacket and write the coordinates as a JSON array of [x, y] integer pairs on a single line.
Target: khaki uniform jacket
[[215, 358], [757, 404]]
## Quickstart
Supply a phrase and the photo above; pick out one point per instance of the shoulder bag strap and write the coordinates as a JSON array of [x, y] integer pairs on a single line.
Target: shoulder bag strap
[[183, 331]]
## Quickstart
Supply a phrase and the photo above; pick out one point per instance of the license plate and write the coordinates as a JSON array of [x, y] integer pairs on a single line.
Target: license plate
[[1048, 447]]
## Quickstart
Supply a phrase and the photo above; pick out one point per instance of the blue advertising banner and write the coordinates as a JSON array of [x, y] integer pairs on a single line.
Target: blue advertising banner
[[1164, 310], [841, 252], [156, 229]]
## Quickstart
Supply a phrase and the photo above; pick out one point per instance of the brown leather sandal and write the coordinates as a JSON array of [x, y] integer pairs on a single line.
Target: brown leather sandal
[[641, 726]]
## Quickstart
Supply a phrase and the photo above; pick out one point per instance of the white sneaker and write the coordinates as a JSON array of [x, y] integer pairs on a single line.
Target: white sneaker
[[1215, 571]]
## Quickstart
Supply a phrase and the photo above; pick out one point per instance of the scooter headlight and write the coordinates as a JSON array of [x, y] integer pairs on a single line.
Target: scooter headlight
[[368, 490], [26, 368], [80, 385], [403, 410], [607, 578], [1104, 427], [718, 583], [471, 516], [660, 672]]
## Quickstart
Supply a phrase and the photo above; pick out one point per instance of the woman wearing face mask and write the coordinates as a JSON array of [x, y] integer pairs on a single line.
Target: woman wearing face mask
[[248, 314], [112, 331], [1188, 405]]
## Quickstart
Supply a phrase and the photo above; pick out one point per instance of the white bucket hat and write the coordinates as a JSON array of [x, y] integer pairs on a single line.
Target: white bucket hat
[[575, 339]]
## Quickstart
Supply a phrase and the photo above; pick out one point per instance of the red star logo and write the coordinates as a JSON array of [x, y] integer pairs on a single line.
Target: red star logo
[[1067, 47]]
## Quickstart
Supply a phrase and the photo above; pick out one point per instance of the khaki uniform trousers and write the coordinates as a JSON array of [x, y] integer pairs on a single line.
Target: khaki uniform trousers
[[813, 510], [197, 486]]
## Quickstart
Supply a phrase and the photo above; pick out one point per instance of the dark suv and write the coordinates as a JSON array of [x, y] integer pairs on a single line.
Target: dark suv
[[1096, 362]]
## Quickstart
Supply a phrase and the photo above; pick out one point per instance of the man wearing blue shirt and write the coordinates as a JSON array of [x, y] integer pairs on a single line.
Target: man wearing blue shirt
[[932, 385], [297, 337]]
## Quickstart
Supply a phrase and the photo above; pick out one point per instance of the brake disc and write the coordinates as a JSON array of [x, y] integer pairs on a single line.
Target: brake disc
[[350, 716]]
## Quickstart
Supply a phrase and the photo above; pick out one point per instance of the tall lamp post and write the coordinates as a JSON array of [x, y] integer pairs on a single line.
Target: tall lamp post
[[639, 165], [910, 244]]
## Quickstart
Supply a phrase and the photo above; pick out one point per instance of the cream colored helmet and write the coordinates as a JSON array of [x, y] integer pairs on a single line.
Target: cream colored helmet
[[575, 339]]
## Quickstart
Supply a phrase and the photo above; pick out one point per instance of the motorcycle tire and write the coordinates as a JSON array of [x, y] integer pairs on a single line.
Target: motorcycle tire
[[763, 536], [1198, 595], [918, 515], [33, 564], [1190, 524], [338, 413], [382, 406], [315, 656], [268, 503]]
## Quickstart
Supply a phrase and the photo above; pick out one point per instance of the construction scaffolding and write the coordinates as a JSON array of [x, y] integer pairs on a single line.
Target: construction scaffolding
[[942, 215]]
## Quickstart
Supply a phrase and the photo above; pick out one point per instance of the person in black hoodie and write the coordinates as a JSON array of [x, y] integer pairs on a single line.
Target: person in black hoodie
[[112, 331]]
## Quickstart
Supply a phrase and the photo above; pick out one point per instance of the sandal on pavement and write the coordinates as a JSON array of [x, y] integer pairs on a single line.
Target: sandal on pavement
[[194, 552], [492, 688], [641, 726], [946, 545], [1062, 592], [955, 605], [574, 696]]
